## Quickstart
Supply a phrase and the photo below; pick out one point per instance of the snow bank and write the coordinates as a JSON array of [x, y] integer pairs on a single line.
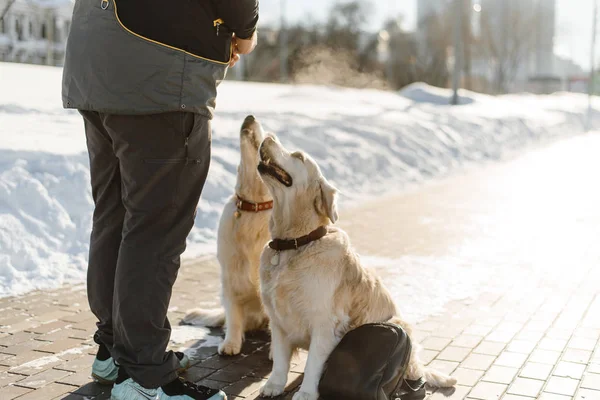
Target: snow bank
[[367, 142]]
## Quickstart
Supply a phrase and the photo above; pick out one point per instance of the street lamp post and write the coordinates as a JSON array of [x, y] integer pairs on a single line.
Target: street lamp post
[[283, 44], [458, 53], [591, 86]]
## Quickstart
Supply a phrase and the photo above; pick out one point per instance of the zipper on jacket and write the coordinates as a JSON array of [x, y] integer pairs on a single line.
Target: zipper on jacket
[[217, 24], [104, 4]]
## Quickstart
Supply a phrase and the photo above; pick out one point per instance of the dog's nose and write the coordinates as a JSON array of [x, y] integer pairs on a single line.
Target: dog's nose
[[248, 122]]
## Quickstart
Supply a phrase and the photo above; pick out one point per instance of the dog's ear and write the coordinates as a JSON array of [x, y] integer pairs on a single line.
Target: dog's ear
[[326, 203]]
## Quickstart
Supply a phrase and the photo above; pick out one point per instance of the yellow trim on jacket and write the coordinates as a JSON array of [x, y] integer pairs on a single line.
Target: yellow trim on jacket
[[166, 45]]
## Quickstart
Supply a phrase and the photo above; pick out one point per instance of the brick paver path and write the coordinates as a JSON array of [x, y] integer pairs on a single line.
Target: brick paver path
[[513, 250]]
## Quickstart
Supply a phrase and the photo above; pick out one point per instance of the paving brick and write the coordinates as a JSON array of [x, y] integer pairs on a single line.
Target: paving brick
[[533, 336], [446, 367], [591, 381], [245, 387], [489, 348], [526, 387], [544, 356], [467, 377], [16, 338], [553, 396], [37, 365], [60, 346], [498, 374], [478, 361], [428, 355], [22, 347], [558, 385], [582, 343], [452, 353], [54, 315], [587, 333], [231, 373], [44, 378], [457, 393], [577, 356], [6, 378], [77, 379], [470, 341], [196, 373], [515, 397], [478, 330], [500, 336], [508, 359], [569, 370], [552, 344], [23, 358], [587, 394], [536, 371], [594, 368], [79, 317], [12, 392], [51, 391], [49, 327], [435, 343], [521, 346], [487, 391], [23, 325]]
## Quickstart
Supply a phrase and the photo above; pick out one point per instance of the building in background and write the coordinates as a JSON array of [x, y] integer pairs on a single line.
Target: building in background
[[511, 43], [35, 31]]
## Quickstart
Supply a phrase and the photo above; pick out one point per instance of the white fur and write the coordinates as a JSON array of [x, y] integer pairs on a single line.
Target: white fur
[[321, 291], [240, 242]]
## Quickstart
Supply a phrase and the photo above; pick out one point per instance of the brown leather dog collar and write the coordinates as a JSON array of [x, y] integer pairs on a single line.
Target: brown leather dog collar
[[293, 244], [244, 205]]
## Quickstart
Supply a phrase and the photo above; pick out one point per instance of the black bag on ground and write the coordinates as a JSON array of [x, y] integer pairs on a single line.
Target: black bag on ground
[[369, 363]]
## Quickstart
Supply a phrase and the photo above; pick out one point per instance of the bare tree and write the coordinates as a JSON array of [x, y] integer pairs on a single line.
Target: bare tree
[[507, 39], [432, 56]]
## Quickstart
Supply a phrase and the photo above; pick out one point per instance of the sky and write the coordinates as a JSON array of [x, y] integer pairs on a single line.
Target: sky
[[573, 24]]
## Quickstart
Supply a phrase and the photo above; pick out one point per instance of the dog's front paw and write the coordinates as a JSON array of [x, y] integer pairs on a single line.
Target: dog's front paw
[[230, 348], [271, 389], [305, 396]]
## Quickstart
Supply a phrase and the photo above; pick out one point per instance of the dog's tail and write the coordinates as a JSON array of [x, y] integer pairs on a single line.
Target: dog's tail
[[416, 369], [212, 318]]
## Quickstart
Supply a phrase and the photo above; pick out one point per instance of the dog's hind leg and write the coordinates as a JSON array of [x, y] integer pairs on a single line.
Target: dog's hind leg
[[234, 328], [282, 356]]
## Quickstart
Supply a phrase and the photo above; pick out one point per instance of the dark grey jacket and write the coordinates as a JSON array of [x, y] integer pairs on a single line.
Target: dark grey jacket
[[151, 56]]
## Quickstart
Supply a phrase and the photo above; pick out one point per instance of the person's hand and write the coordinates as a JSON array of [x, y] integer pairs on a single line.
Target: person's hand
[[245, 46], [242, 46], [235, 57]]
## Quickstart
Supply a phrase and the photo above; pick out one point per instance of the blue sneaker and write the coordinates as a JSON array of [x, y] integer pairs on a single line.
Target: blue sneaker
[[183, 390], [129, 390], [105, 370]]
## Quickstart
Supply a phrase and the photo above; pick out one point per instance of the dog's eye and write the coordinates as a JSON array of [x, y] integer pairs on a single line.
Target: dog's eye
[[298, 155]]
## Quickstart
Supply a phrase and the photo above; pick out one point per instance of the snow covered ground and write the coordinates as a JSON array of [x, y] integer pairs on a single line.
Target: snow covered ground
[[367, 142]]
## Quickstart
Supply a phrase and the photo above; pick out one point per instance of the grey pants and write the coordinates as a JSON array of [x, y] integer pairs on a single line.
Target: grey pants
[[147, 173]]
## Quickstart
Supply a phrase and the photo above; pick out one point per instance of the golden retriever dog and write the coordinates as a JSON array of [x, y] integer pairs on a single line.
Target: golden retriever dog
[[242, 235], [313, 286]]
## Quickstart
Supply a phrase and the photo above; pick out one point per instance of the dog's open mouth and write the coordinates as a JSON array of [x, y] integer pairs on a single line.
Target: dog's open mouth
[[268, 167]]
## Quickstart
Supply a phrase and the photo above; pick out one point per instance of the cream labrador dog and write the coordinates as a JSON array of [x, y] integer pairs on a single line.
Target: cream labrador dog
[[313, 286], [242, 235]]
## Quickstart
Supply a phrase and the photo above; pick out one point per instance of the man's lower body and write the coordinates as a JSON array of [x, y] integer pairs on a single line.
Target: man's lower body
[[147, 174]]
